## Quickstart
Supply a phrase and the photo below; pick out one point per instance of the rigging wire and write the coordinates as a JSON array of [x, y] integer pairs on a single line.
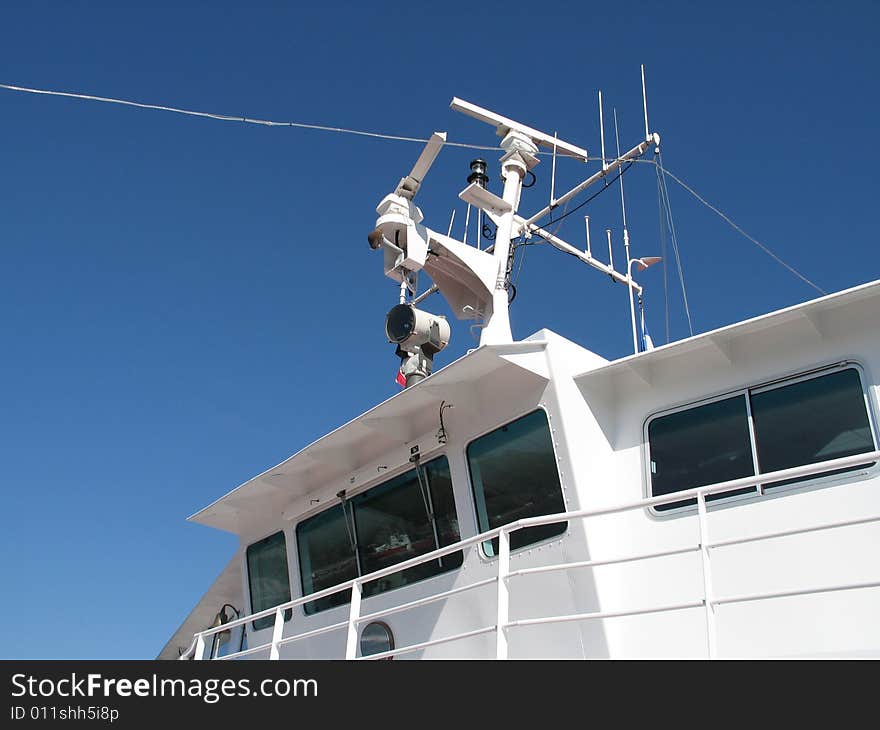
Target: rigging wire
[[236, 118], [402, 138], [664, 257], [674, 240], [740, 230]]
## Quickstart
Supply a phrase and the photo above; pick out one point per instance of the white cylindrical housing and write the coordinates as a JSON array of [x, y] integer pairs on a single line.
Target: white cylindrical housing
[[409, 327]]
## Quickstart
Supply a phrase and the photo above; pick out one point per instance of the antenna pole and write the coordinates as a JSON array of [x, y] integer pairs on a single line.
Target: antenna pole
[[587, 223], [629, 261], [632, 306], [602, 129], [645, 103], [620, 178], [610, 251], [451, 221], [553, 173]]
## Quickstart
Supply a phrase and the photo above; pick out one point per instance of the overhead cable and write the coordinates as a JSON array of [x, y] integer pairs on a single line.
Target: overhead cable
[[236, 118]]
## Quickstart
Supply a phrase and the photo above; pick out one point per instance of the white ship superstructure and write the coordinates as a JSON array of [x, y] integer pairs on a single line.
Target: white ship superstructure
[[714, 497]]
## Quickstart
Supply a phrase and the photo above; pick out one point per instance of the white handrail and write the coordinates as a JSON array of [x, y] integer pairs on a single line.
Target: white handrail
[[503, 577]]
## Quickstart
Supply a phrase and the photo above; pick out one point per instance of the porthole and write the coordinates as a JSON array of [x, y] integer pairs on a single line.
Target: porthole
[[376, 638]]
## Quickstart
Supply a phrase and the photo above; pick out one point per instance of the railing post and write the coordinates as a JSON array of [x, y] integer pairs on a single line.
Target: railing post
[[277, 632], [503, 595], [354, 614], [711, 629], [199, 654]]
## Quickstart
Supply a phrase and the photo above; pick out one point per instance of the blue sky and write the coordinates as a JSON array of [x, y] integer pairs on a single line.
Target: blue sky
[[187, 302]]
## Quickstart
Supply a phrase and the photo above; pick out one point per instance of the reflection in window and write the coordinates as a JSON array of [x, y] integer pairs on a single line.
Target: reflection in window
[[326, 555], [708, 444], [811, 421], [400, 519], [514, 475], [267, 577]]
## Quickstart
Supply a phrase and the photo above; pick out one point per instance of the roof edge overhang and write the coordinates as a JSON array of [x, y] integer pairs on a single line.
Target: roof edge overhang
[[402, 417], [806, 318]]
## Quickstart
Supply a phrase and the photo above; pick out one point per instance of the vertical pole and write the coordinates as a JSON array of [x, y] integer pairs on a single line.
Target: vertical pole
[[353, 616], [620, 180], [610, 250], [553, 174], [711, 629], [200, 648], [602, 130], [519, 155], [277, 632], [503, 595], [645, 103], [629, 286], [587, 224], [629, 279]]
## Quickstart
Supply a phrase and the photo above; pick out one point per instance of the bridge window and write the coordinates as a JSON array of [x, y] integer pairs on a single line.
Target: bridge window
[[800, 421], [514, 475], [704, 445], [326, 556], [407, 516], [267, 577], [811, 420], [401, 519]]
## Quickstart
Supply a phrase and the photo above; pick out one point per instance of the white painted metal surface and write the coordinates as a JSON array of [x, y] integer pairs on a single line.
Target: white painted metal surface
[[792, 572], [503, 576]]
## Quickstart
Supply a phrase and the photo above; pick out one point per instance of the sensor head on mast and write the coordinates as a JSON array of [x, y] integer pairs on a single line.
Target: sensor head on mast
[[409, 328], [418, 336]]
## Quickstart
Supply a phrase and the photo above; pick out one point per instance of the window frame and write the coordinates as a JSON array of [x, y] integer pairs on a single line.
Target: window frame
[[565, 501], [802, 485], [388, 476], [288, 614]]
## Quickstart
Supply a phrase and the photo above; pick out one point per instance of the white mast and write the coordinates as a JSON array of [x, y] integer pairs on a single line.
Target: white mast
[[518, 159], [475, 282]]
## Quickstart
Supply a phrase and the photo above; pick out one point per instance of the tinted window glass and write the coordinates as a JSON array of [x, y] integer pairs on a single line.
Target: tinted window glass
[[514, 475], [393, 525], [267, 577], [810, 421], [704, 445], [389, 523], [326, 556]]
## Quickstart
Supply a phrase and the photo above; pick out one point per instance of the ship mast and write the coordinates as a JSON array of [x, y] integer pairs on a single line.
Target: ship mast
[[475, 282]]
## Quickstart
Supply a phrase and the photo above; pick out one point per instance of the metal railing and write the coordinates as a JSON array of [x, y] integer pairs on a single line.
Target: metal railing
[[504, 575]]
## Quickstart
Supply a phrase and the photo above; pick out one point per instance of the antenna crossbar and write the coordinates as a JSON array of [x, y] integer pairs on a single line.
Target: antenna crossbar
[[584, 256], [636, 151]]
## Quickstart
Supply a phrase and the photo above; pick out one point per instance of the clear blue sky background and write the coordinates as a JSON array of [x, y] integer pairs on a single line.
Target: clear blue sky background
[[186, 302]]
